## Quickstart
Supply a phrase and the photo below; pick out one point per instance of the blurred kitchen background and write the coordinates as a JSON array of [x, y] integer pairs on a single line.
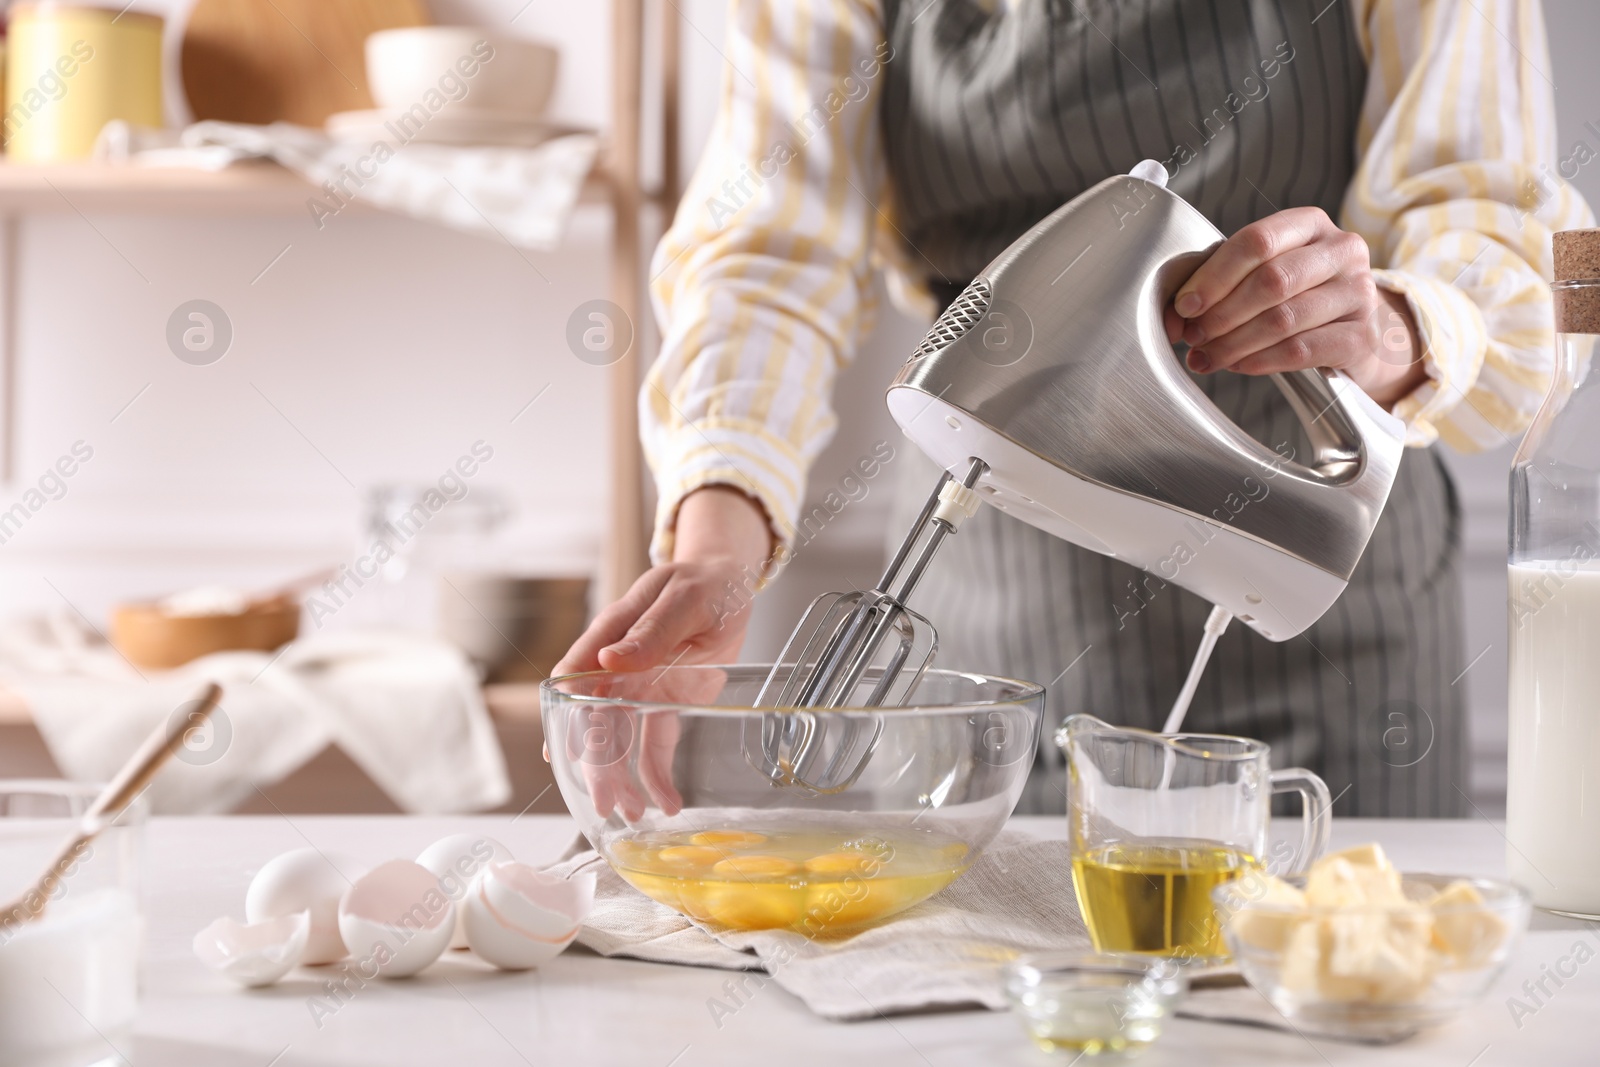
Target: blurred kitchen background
[[367, 356]]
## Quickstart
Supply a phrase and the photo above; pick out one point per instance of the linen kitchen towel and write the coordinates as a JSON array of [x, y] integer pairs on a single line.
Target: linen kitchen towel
[[406, 709], [523, 196], [945, 952]]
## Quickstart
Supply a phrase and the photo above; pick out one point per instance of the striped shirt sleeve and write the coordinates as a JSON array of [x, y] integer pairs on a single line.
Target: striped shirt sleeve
[[762, 282], [1456, 197]]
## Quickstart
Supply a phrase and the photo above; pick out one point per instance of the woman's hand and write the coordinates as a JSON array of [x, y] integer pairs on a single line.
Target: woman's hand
[[1291, 291], [693, 610]]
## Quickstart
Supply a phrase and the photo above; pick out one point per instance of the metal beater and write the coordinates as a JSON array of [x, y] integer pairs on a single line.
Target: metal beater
[[847, 641]]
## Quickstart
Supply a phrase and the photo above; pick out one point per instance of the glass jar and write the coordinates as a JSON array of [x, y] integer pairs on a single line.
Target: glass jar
[[1553, 783], [73, 67], [69, 980]]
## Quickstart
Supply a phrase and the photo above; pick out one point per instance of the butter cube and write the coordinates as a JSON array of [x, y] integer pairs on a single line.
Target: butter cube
[[1381, 885], [1386, 950], [1410, 941], [1301, 959], [1354, 957], [1464, 927], [1335, 882], [1332, 884], [1267, 923], [1368, 855], [1306, 965]]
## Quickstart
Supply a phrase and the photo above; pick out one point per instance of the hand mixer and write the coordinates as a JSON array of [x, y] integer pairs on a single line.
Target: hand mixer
[[1050, 382]]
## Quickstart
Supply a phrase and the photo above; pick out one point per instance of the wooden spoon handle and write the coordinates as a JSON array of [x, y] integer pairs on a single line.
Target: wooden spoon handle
[[116, 796], [34, 902], [143, 765]]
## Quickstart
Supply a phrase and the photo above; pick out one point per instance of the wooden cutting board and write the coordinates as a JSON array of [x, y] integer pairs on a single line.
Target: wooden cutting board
[[284, 60]]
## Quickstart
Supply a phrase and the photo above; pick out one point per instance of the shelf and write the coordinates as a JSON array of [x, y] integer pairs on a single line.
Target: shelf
[[258, 188]]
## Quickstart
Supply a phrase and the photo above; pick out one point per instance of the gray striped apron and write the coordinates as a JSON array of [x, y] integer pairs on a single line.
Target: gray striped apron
[[991, 119]]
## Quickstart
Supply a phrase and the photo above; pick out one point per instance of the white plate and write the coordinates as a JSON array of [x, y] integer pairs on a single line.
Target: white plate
[[450, 126]]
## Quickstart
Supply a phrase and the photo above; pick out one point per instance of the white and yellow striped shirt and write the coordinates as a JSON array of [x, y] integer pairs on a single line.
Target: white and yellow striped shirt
[[762, 284]]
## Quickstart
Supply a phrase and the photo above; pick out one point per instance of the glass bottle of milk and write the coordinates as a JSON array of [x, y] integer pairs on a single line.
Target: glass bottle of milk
[[1553, 788]]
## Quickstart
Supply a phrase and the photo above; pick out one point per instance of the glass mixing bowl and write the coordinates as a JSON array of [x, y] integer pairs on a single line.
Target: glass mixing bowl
[[818, 821]]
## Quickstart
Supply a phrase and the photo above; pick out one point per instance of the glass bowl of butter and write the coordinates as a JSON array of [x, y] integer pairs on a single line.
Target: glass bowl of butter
[[1356, 948]]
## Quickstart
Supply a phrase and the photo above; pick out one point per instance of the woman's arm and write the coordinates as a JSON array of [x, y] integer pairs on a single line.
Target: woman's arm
[[1454, 200], [760, 288], [760, 284]]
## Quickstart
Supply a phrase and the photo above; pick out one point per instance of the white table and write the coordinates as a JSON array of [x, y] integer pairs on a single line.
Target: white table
[[586, 1010]]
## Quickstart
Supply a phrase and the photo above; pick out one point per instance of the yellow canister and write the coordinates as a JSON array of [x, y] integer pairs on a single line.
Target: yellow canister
[[72, 69]]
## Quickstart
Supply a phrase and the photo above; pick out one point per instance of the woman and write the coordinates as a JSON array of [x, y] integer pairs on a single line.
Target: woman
[[1381, 168]]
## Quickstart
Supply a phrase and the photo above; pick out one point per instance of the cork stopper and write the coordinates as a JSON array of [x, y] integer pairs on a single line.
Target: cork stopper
[[1577, 255]]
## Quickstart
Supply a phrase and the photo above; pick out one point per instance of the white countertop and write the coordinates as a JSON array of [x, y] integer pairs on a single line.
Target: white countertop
[[583, 1009]]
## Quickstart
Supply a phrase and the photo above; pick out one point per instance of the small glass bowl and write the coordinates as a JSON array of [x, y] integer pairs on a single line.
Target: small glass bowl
[[1444, 986], [1089, 1005]]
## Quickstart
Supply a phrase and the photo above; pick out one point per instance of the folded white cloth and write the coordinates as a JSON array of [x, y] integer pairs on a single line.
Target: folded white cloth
[[521, 195], [945, 952], [405, 708]]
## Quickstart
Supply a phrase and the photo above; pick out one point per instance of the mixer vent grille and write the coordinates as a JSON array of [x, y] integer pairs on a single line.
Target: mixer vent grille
[[958, 318]]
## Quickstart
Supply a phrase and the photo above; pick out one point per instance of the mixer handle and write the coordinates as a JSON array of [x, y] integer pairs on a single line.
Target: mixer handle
[[1336, 441]]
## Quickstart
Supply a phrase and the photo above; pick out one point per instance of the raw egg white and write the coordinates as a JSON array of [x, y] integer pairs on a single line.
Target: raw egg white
[[254, 954], [455, 861], [517, 917], [304, 880], [396, 919]]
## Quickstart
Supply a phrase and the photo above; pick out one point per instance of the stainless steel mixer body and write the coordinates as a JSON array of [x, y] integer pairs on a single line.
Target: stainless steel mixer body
[[1054, 368]]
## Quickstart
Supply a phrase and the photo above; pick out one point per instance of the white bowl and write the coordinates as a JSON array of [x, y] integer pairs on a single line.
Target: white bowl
[[465, 65]]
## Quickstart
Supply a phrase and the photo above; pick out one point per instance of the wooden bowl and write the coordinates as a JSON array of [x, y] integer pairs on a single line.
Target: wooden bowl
[[151, 637]]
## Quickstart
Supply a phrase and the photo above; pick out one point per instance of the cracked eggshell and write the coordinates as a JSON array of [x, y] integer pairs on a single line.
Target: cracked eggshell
[[396, 919], [456, 860], [517, 917], [254, 954], [303, 880]]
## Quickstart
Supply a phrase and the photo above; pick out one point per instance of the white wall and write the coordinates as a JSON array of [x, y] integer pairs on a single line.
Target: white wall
[[391, 346]]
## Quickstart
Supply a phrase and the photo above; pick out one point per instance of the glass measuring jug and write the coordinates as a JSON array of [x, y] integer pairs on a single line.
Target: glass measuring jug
[[1159, 820]]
